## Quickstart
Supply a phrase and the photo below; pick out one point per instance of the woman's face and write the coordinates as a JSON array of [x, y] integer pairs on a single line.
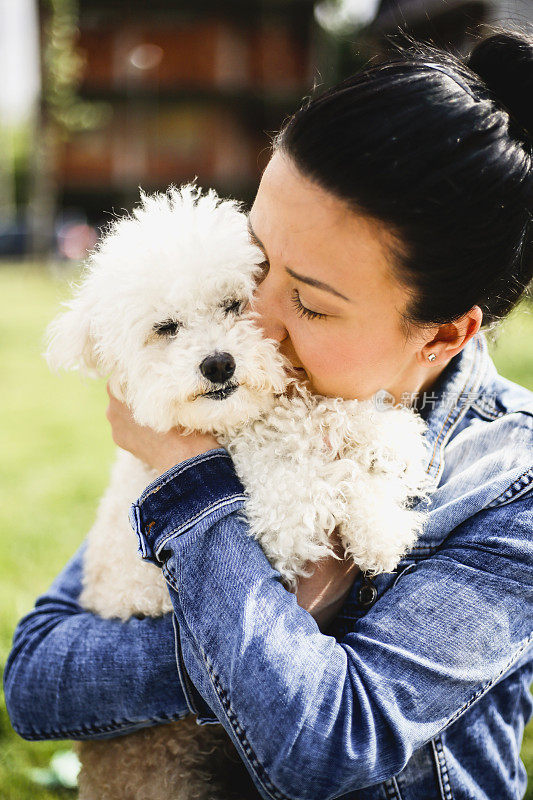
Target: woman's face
[[328, 295]]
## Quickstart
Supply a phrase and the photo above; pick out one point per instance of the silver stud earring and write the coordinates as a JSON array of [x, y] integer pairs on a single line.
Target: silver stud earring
[[432, 357]]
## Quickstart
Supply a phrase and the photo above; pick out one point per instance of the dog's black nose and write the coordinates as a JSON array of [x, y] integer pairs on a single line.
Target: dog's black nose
[[218, 367]]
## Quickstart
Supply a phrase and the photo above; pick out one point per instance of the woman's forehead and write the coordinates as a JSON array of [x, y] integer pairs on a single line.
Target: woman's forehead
[[302, 224], [290, 196]]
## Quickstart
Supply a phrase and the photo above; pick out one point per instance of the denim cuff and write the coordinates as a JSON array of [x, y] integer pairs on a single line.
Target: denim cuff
[[185, 496]]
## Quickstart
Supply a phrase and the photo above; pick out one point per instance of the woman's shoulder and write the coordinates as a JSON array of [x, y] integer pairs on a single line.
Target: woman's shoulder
[[489, 458], [501, 398], [499, 416], [480, 440], [494, 439], [483, 422]]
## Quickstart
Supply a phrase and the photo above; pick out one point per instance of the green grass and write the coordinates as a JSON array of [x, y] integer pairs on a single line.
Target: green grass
[[56, 455]]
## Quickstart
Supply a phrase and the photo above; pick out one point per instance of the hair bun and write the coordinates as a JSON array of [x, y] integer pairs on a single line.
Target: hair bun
[[504, 62]]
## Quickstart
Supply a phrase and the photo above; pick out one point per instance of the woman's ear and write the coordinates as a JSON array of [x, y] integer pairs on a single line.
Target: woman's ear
[[70, 344], [450, 337]]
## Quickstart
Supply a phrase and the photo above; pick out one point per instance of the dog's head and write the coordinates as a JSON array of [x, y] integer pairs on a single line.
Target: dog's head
[[162, 311]]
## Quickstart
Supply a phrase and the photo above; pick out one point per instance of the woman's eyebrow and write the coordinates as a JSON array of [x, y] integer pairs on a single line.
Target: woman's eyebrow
[[302, 278]]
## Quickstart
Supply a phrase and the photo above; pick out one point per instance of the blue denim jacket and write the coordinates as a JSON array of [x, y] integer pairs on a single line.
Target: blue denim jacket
[[420, 689]]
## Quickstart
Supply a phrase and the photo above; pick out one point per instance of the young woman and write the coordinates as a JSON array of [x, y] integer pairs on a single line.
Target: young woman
[[395, 220]]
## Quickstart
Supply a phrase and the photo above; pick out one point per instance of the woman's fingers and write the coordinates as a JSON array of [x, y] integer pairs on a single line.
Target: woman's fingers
[[160, 451]]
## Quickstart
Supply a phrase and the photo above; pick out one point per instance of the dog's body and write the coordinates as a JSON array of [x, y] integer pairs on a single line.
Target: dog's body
[[181, 350], [177, 761]]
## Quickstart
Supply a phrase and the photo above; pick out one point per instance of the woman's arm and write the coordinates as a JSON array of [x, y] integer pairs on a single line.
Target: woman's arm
[[74, 675], [310, 717]]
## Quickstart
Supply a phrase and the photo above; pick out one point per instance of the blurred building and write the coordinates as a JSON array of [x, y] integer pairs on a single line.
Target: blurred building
[[152, 92], [178, 90]]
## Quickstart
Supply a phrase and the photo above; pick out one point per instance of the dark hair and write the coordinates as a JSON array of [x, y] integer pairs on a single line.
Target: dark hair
[[441, 151]]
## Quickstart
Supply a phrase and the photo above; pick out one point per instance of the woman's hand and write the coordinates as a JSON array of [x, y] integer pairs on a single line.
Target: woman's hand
[[324, 592], [160, 451]]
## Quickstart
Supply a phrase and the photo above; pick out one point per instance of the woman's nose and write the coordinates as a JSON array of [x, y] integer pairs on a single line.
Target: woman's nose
[[264, 302]]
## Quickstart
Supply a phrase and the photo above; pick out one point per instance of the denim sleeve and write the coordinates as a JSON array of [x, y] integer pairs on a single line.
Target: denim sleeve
[[74, 675], [313, 718]]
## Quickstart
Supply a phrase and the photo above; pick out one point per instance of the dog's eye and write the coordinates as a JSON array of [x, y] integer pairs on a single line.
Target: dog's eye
[[233, 306], [169, 327]]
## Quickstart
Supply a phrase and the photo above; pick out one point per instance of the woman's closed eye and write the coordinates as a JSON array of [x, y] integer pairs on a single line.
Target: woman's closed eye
[[302, 311]]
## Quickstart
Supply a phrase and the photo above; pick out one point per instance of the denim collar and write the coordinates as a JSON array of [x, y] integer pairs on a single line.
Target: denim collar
[[463, 382]]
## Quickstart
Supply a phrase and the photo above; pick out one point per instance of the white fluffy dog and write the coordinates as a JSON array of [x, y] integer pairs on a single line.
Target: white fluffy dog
[[163, 311]]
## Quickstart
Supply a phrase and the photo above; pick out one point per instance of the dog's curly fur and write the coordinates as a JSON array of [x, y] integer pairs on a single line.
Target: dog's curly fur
[[168, 287], [180, 761]]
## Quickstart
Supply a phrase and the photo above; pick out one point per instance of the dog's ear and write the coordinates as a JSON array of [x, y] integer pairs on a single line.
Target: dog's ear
[[70, 344]]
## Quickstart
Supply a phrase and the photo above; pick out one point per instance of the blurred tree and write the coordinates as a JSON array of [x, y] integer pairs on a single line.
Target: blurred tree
[[364, 36], [63, 113], [7, 178], [448, 23], [62, 69]]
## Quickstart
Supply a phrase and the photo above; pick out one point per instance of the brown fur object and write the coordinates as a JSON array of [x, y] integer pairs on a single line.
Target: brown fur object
[[180, 761]]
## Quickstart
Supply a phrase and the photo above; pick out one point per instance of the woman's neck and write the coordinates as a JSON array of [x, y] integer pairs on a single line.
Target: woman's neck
[[412, 389]]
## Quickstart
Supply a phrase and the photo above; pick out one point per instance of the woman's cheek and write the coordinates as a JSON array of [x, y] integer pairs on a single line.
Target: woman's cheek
[[311, 349], [347, 366], [327, 364]]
